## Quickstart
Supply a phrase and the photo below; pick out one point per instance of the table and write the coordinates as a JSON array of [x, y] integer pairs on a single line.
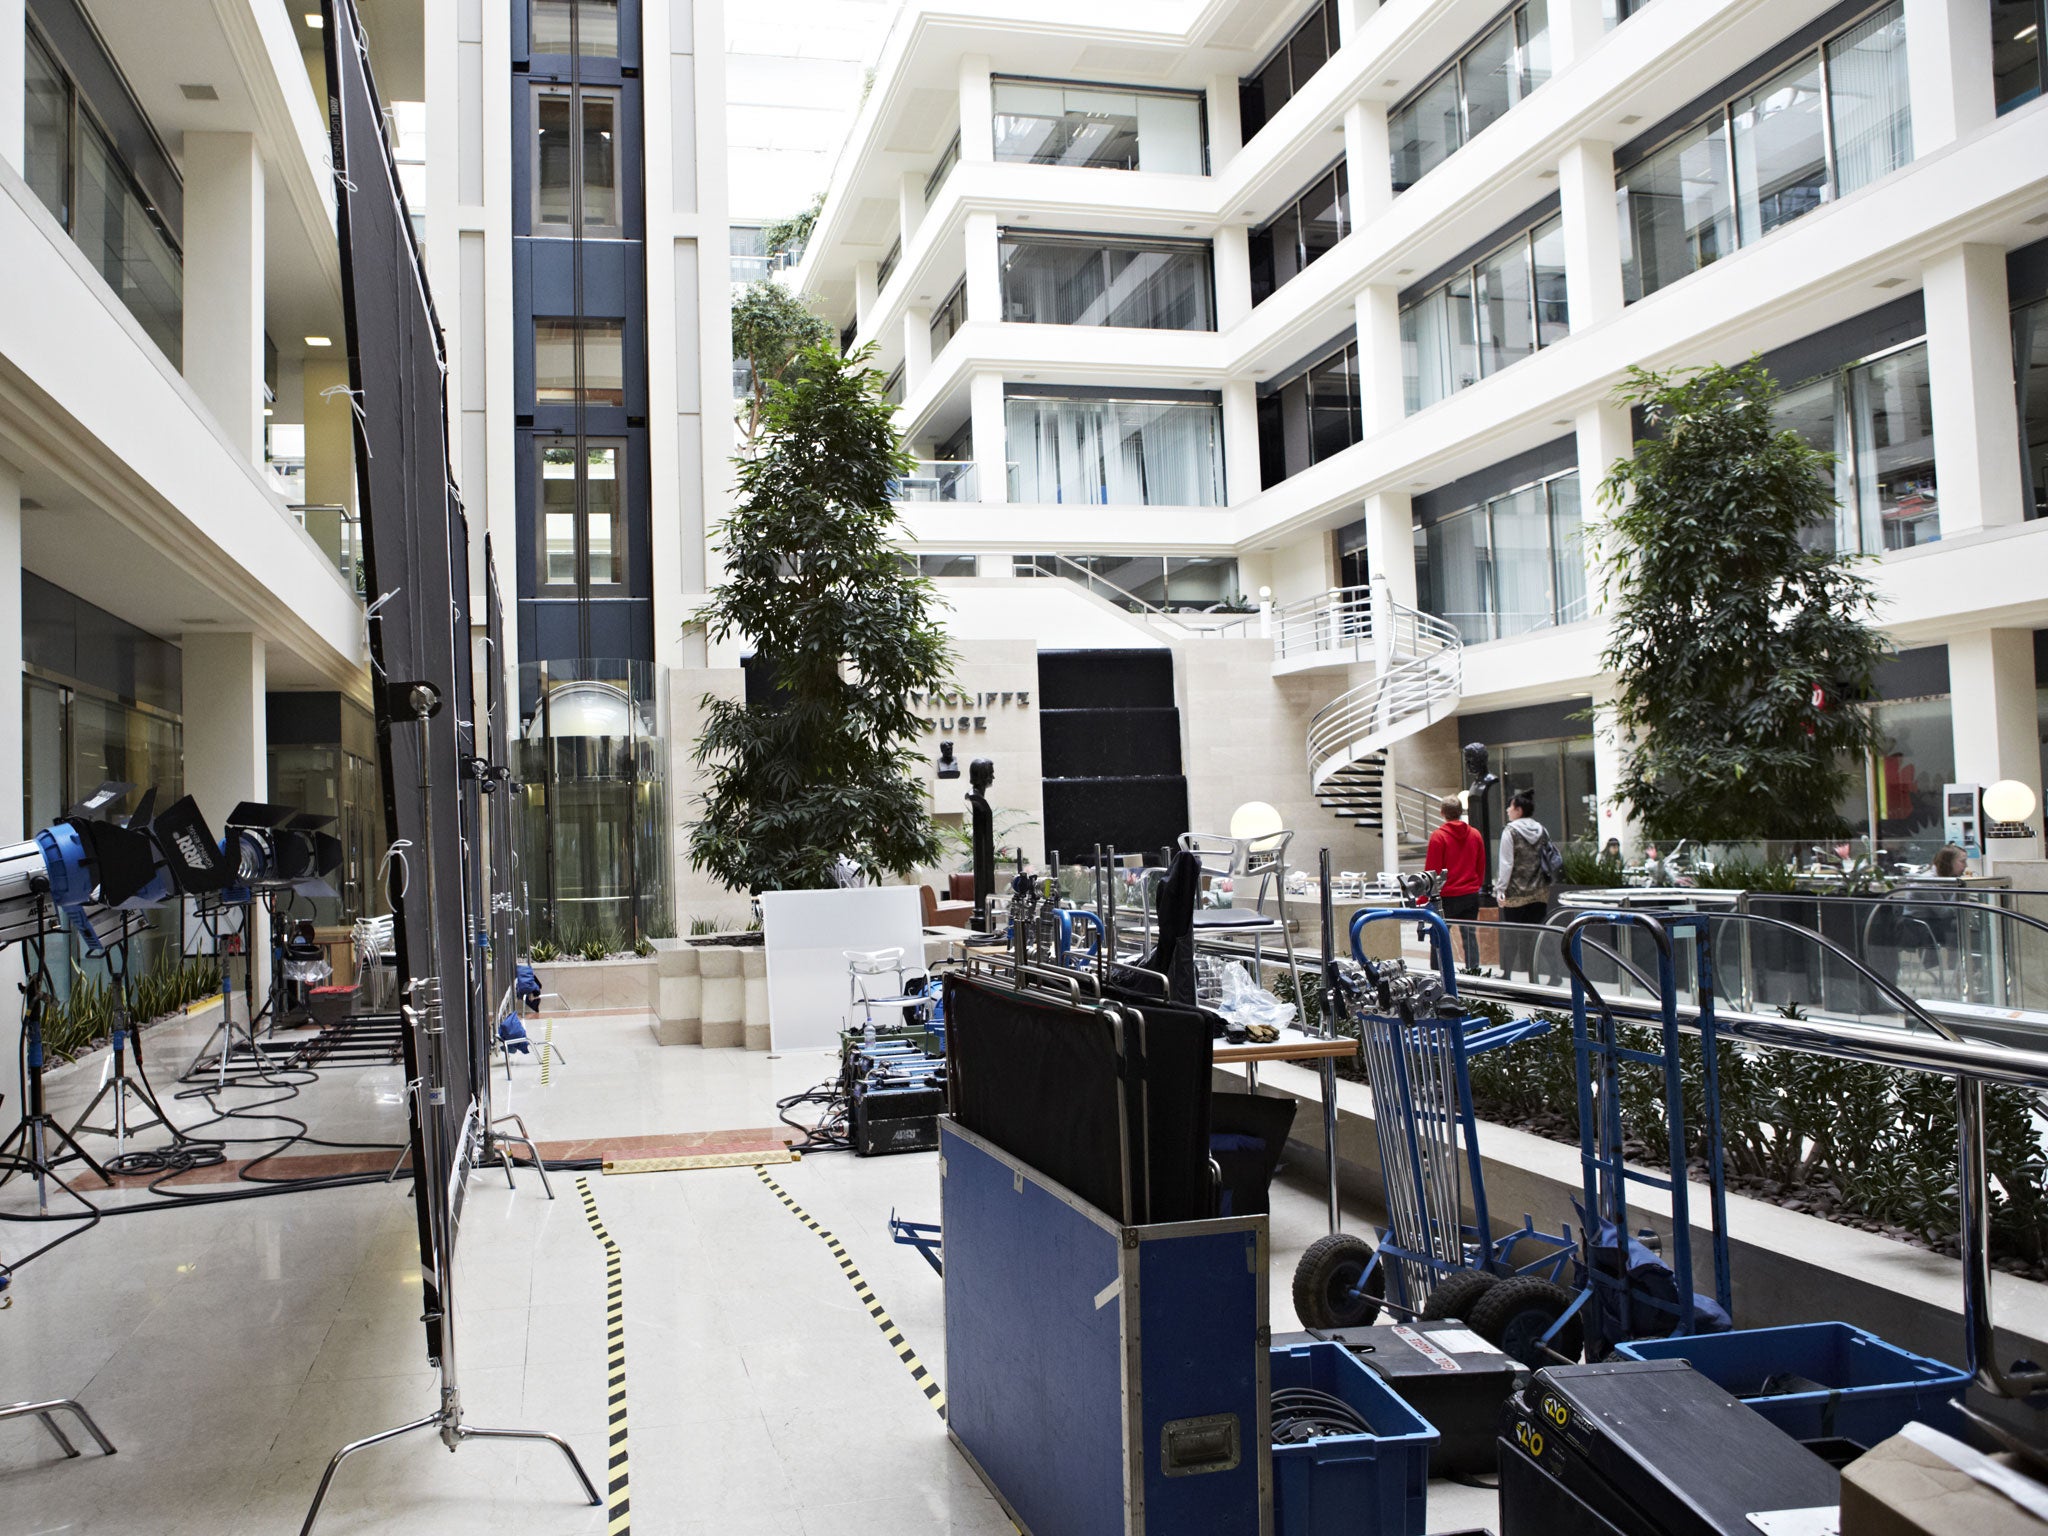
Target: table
[[1299, 1045]]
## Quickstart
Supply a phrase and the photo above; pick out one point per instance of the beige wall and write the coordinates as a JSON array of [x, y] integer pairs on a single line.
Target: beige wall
[[1003, 730], [697, 894]]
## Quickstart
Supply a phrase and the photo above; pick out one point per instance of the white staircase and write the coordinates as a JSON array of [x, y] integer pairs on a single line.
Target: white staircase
[[1419, 675]]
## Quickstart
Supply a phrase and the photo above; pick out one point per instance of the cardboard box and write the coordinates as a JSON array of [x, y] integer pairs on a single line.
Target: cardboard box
[[1923, 1483]]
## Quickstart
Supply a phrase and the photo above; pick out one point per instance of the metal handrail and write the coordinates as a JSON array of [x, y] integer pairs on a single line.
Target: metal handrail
[[1410, 688], [1333, 621], [1153, 611]]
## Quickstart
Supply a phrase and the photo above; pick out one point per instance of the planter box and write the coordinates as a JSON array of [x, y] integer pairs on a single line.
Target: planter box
[[623, 984]]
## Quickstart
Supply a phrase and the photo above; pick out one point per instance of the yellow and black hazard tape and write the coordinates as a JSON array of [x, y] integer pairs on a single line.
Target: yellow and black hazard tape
[[927, 1383], [547, 1052], [618, 1491]]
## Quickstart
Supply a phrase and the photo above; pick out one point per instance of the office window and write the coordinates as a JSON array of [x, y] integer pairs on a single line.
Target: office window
[[1189, 583], [1046, 123], [75, 168], [948, 158], [1485, 317], [1308, 48], [1834, 120], [948, 566], [1508, 565], [949, 317], [1310, 417], [886, 267], [1874, 417], [1475, 90], [587, 549], [1148, 285], [595, 24], [2019, 36], [2030, 368], [1115, 452], [892, 387], [1299, 233], [568, 164], [555, 362]]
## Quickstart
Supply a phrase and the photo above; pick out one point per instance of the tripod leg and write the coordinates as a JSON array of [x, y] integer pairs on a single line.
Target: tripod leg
[[566, 1449], [431, 1421]]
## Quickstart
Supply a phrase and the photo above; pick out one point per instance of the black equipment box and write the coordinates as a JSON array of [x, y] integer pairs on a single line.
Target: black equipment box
[[1654, 1449], [1446, 1373], [897, 1120]]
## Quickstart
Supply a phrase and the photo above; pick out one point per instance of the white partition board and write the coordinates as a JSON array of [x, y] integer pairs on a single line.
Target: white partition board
[[808, 935]]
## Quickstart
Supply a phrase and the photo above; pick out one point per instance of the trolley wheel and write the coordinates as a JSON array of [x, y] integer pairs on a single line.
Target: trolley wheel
[[1515, 1314], [1326, 1283], [1455, 1294]]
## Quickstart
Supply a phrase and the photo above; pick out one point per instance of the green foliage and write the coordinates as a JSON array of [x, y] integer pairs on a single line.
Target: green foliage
[[957, 837], [87, 1017], [544, 950], [794, 232], [643, 948], [1724, 623], [1746, 874], [699, 926], [827, 768], [772, 331], [1584, 866]]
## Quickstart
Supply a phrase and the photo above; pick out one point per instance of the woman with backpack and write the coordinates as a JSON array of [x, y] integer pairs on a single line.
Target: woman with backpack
[[1529, 866]]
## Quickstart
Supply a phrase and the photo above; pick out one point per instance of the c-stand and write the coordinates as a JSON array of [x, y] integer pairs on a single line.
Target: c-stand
[[119, 1082], [27, 1148]]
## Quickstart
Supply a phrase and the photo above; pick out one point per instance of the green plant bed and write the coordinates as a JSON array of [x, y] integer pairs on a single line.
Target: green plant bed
[[85, 1019]]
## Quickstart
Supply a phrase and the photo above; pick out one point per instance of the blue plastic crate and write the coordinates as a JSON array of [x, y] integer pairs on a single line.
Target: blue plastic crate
[[1863, 1388], [1350, 1485]]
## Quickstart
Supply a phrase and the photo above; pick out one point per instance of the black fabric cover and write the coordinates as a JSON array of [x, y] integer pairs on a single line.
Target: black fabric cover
[[1041, 1079], [1173, 914], [1247, 1134]]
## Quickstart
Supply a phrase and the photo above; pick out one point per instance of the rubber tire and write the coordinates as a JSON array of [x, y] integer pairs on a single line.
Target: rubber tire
[[1455, 1295], [1514, 1314], [1330, 1268]]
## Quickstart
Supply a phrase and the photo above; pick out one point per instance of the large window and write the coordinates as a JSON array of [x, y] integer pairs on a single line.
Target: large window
[[949, 317], [1310, 417], [1082, 281], [2030, 367], [1295, 236], [1875, 418], [1476, 89], [1049, 123], [557, 367], [1308, 48], [1137, 582], [587, 28], [1835, 119], [886, 267], [1115, 452], [1508, 565], [1499, 310], [72, 164], [586, 548], [948, 158], [2019, 50], [568, 163]]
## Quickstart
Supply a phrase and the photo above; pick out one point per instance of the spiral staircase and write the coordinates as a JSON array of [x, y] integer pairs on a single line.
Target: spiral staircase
[[1418, 675]]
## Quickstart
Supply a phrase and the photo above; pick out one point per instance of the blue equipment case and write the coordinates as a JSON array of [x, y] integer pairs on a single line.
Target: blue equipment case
[[1340, 1485], [1103, 1380]]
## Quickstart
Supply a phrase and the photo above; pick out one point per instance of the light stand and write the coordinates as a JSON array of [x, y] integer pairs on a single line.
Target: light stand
[[423, 1014], [27, 1148], [213, 917], [118, 1081]]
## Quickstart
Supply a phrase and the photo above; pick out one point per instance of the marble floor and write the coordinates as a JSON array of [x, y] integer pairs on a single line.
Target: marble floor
[[228, 1349]]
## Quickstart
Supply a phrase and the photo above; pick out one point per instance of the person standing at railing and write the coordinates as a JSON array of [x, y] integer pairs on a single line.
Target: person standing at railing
[[1529, 866], [1460, 852]]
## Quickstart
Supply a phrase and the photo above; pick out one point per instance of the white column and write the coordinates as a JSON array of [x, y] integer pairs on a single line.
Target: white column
[[977, 110], [12, 747], [1610, 753], [1233, 261], [227, 757], [863, 296], [1970, 387], [224, 282], [13, 91], [984, 268], [1382, 393], [1226, 127], [1351, 15], [1948, 70], [1605, 433], [1240, 440], [1994, 717], [1575, 27], [1390, 543], [1592, 233], [917, 348], [909, 204], [1368, 163], [991, 436]]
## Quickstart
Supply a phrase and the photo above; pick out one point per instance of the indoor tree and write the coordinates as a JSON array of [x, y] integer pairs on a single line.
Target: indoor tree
[[772, 330], [1742, 654], [842, 631]]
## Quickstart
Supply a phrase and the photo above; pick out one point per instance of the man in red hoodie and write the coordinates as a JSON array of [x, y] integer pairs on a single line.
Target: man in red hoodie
[[1460, 852]]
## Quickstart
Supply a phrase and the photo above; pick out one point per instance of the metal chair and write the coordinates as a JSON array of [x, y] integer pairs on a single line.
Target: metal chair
[[1241, 860]]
